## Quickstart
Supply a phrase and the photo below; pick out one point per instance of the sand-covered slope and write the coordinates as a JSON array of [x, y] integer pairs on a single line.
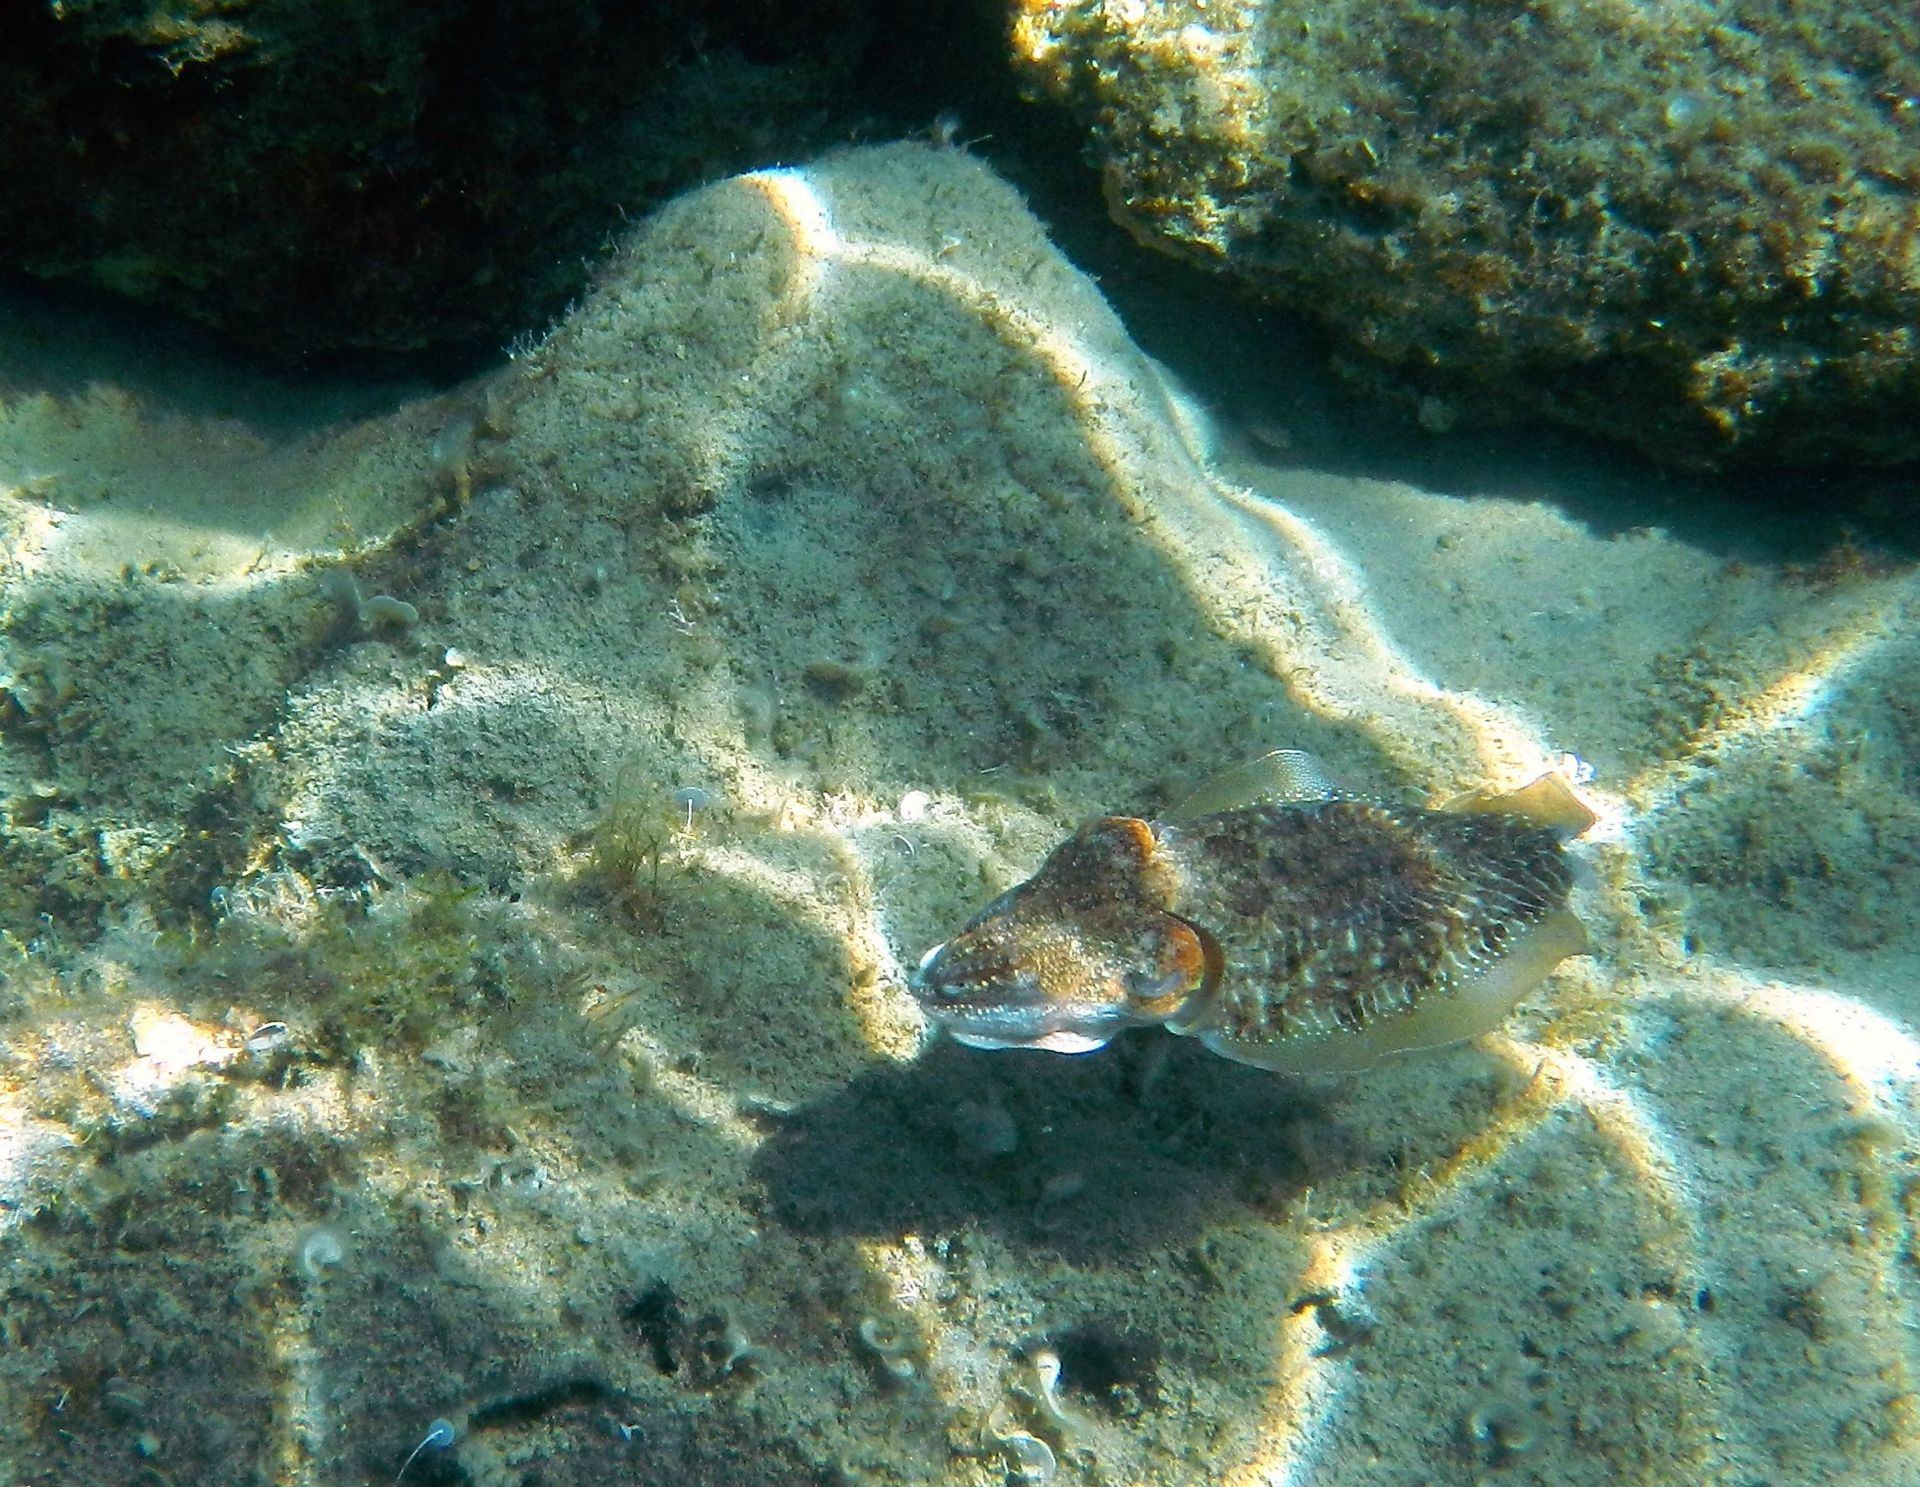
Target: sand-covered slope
[[460, 868]]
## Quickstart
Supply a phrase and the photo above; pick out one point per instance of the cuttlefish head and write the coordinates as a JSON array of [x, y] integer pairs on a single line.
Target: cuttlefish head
[[1081, 950]]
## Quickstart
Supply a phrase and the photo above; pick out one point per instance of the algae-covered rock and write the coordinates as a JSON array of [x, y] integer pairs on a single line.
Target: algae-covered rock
[[350, 175], [1692, 228]]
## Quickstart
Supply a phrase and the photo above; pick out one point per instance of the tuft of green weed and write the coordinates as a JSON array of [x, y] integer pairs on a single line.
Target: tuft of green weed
[[630, 848]]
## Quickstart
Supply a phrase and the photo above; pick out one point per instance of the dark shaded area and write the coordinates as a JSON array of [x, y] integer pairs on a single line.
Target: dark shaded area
[[245, 210], [61, 337], [479, 218], [1109, 1365], [1276, 387], [528, 1405], [657, 1316], [346, 175], [1103, 1170], [139, 1323]]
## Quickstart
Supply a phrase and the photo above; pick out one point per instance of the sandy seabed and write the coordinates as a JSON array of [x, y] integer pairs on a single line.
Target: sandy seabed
[[460, 868]]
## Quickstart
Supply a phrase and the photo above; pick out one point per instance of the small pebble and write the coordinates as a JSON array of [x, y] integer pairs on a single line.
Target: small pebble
[[984, 1130], [893, 1345], [384, 612], [320, 1250], [267, 1037]]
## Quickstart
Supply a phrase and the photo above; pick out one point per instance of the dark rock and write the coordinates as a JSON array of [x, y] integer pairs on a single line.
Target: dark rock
[[1696, 230], [355, 175]]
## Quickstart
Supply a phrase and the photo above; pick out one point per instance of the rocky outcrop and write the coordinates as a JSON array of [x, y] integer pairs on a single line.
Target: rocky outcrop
[[1696, 228], [348, 175]]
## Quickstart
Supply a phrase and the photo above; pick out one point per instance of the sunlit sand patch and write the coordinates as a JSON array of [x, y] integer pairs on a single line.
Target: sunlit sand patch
[[1324, 641], [1359, 676], [1792, 699], [31, 537], [861, 838], [846, 907], [28, 1146], [113, 486], [1308, 1387], [1874, 1057], [376, 705]]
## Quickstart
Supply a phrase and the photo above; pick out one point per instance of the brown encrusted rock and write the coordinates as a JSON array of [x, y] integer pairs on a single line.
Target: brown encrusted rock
[[1694, 228], [319, 174]]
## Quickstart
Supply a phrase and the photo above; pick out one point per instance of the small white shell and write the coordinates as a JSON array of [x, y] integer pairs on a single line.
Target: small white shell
[[1031, 1457]]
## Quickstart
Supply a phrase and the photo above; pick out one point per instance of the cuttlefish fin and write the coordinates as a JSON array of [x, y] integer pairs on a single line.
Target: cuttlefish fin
[[1548, 801], [1281, 777], [1293, 776]]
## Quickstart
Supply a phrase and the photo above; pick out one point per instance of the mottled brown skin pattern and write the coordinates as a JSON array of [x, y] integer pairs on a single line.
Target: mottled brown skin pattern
[[1278, 933], [1084, 944], [1333, 913]]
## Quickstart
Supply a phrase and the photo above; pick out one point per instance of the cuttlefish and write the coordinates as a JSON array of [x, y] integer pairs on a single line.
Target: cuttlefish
[[1276, 918]]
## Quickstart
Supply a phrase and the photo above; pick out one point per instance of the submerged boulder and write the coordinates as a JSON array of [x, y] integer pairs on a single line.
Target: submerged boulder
[[1695, 229]]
